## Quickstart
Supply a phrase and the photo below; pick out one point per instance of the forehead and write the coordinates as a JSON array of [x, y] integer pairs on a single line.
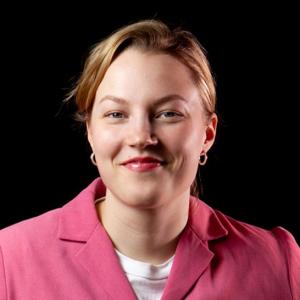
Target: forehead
[[140, 76]]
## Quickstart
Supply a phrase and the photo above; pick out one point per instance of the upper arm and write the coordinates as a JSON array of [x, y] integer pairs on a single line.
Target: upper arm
[[3, 294], [292, 255]]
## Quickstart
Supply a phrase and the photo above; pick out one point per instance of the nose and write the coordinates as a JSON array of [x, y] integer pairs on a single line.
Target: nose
[[140, 134]]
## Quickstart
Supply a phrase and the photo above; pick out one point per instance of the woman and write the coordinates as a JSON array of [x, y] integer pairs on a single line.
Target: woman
[[147, 98]]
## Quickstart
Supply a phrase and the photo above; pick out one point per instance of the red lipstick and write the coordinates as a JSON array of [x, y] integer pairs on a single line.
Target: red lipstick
[[142, 164]]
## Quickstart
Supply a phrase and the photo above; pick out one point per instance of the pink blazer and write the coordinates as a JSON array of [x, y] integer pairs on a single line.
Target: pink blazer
[[66, 254]]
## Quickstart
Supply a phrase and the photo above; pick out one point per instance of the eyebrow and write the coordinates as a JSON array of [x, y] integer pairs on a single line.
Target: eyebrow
[[159, 101]]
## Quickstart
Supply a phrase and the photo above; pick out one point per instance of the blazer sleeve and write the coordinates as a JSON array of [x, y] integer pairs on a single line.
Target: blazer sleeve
[[3, 293], [292, 255]]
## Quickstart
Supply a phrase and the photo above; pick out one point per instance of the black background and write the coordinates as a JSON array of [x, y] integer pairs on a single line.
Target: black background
[[252, 172]]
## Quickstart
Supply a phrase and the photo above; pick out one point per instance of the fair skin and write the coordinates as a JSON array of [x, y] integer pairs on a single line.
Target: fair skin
[[148, 105]]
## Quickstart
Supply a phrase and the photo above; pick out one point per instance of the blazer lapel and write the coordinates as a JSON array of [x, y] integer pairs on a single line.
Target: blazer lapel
[[191, 259], [193, 256], [79, 223], [98, 257]]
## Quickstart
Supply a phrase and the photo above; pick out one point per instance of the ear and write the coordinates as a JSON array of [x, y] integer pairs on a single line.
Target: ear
[[210, 132]]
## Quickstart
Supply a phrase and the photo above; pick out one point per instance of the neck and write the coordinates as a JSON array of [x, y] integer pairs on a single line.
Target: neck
[[149, 235]]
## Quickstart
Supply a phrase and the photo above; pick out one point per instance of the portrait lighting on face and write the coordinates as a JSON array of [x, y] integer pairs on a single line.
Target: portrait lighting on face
[[146, 97]]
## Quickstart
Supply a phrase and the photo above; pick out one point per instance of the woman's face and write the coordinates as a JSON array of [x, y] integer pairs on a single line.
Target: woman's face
[[148, 106]]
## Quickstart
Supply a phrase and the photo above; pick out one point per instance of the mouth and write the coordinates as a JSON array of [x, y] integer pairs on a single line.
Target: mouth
[[143, 164]]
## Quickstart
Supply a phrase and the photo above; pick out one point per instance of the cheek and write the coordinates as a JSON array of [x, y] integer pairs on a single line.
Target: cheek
[[184, 139], [106, 142]]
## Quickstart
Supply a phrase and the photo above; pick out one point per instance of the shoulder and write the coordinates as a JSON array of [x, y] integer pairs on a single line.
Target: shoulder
[[242, 233], [26, 244], [248, 233], [242, 241], [212, 225], [274, 252], [36, 229]]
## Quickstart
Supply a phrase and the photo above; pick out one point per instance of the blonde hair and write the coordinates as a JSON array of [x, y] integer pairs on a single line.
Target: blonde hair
[[147, 35]]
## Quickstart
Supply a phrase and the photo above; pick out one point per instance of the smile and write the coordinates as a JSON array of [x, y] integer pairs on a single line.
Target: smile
[[143, 163]]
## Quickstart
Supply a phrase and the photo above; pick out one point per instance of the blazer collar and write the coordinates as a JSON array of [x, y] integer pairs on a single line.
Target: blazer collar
[[204, 221], [78, 217], [193, 256], [79, 222]]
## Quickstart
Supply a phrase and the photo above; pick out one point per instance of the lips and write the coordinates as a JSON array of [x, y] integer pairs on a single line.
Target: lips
[[143, 160], [143, 164]]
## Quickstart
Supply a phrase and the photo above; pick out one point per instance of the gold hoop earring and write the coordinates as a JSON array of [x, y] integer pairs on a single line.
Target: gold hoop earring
[[93, 159], [203, 159]]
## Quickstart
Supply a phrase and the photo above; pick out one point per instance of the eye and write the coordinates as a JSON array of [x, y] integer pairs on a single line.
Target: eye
[[115, 115], [168, 114]]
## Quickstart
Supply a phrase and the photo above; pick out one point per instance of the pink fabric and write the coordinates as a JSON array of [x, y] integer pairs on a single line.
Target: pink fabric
[[66, 254]]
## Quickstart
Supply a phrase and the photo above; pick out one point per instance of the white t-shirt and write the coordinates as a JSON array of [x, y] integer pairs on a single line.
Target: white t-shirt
[[147, 280]]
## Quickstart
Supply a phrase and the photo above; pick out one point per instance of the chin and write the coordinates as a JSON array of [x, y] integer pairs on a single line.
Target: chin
[[143, 197]]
